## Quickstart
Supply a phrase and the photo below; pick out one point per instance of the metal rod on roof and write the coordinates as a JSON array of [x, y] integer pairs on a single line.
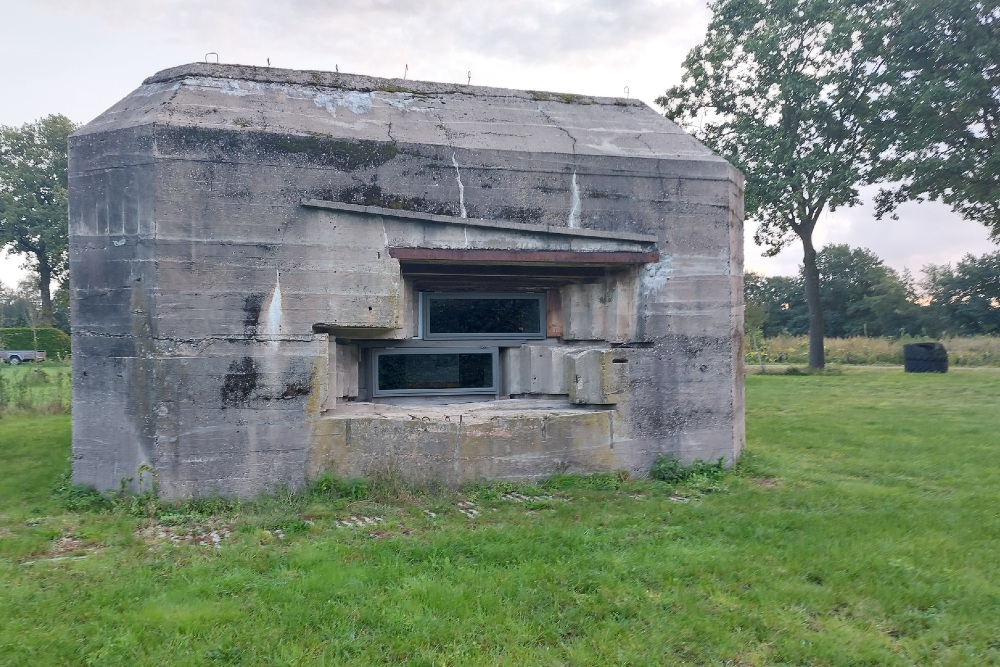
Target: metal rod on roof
[[405, 70], [470, 77], [626, 92], [212, 53]]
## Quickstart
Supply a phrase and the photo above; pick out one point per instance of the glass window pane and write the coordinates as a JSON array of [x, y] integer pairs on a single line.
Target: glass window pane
[[484, 316], [435, 371]]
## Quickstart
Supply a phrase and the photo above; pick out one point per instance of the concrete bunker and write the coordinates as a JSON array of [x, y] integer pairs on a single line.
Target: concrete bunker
[[277, 273]]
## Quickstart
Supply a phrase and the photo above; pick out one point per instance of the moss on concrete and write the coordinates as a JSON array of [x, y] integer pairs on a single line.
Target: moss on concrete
[[565, 98]]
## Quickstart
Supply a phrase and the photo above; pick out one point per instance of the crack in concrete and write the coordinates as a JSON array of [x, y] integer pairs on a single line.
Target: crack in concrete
[[642, 141], [556, 125], [461, 188], [454, 161], [573, 220]]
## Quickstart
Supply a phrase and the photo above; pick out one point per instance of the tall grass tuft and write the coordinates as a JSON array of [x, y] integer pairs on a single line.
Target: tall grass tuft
[[35, 389]]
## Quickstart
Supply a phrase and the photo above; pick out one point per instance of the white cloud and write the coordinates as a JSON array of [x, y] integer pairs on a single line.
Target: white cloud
[[584, 46]]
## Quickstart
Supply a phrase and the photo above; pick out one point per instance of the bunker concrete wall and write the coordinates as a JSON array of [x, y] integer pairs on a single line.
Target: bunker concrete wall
[[197, 278]]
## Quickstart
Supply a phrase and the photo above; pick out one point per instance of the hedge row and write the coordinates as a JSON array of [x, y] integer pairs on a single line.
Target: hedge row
[[54, 342]]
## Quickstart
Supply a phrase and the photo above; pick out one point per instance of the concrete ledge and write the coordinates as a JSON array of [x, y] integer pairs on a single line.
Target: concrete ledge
[[458, 443]]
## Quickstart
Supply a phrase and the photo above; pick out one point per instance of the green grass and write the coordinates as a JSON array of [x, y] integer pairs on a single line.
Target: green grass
[[861, 529]]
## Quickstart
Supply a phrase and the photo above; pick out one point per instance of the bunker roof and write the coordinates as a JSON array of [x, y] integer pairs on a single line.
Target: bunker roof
[[348, 106]]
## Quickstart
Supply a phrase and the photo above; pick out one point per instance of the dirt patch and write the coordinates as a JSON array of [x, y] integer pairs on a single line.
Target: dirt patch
[[67, 544], [67, 547], [205, 533]]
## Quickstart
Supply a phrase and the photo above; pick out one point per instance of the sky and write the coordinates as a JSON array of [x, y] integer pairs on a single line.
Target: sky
[[79, 57]]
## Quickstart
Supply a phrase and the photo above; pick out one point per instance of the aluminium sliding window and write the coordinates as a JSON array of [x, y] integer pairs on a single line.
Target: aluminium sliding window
[[475, 325], [434, 370], [481, 315]]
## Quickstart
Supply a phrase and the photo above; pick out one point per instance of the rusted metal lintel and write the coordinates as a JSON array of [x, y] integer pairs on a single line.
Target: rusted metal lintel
[[565, 257]]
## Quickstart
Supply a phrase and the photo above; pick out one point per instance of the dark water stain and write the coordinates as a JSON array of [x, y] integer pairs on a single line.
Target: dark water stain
[[241, 145], [373, 195], [520, 214], [240, 382], [251, 311]]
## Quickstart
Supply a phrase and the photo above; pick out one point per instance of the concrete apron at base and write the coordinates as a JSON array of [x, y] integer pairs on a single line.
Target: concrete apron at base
[[461, 443]]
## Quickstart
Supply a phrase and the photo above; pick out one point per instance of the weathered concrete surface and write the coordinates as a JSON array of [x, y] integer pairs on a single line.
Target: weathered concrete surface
[[198, 275]]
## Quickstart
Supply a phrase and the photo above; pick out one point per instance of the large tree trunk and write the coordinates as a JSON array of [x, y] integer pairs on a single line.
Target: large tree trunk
[[47, 317], [817, 358]]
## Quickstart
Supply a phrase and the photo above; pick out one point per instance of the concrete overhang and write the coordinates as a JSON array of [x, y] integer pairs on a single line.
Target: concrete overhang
[[615, 248]]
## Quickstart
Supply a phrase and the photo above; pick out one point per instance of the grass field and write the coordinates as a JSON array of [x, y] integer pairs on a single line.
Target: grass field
[[862, 528], [860, 350]]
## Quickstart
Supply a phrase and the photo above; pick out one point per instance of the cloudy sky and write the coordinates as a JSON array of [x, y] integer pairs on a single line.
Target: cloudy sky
[[78, 57]]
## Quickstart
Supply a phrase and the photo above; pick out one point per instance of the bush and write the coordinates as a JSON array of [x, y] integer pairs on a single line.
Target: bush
[[673, 471], [328, 486], [54, 342], [78, 497]]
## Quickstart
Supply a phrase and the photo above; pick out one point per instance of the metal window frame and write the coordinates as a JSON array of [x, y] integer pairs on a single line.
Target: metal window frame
[[494, 352], [424, 318]]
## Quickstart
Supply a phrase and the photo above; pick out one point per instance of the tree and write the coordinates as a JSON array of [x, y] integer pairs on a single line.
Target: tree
[[941, 96], [783, 90], [33, 200], [965, 300], [60, 308]]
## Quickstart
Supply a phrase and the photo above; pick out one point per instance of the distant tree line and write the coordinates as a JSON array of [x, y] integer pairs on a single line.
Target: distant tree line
[[861, 296]]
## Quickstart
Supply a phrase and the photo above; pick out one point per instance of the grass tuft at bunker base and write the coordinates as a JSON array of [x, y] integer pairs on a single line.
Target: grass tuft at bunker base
[[861, 528]]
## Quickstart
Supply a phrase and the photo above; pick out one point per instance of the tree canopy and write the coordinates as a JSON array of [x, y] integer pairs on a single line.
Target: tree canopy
[[783, 90], [964, 300], [861, 296], [939, 89], [34, 200]]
